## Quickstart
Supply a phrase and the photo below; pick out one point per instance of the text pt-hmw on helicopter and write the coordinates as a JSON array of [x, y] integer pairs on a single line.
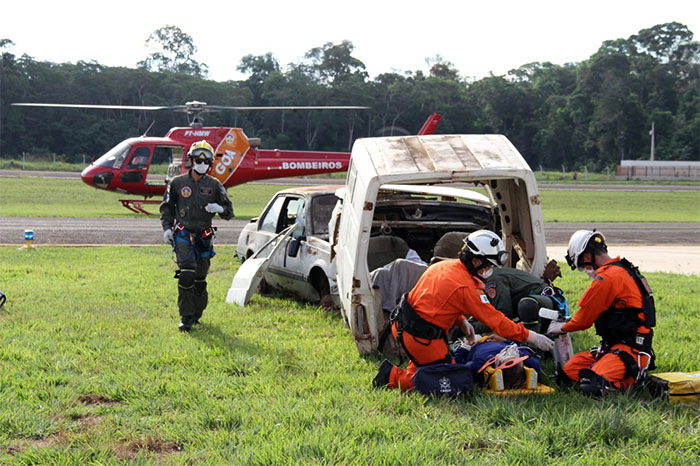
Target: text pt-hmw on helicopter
[[197, 133]]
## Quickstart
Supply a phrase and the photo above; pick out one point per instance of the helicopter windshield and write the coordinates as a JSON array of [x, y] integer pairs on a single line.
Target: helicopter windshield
[[115, 157]]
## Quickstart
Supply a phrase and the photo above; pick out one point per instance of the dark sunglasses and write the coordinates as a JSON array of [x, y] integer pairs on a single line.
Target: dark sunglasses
[[202, 156]]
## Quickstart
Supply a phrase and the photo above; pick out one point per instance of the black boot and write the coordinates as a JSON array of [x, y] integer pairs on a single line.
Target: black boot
[[185, 324], [382, 377]]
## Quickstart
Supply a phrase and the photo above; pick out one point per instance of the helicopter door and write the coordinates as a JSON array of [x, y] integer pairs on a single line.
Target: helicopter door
[[166, 159], [135, 170]]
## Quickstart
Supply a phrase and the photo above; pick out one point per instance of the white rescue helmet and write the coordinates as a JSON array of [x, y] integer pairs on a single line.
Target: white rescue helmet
[[487, 245], [578, 244], [201, 151]]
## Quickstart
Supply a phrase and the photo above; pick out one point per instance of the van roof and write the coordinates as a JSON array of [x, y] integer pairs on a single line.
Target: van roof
[[440, 158]]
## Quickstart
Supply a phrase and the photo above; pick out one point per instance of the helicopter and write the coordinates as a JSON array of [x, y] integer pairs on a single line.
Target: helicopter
[[238, 158]]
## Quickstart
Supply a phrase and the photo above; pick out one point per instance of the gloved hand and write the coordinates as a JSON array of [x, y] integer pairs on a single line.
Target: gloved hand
[[551, 271], [540, 341], [168, 236], [213, 208], [468, 331], [555, 328]]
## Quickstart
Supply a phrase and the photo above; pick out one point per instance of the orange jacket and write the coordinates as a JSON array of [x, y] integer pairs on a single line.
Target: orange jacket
[[612, 286], [446, 293]]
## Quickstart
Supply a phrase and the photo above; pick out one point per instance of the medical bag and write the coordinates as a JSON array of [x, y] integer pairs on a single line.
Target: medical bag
[[678, 387], [443, 379]]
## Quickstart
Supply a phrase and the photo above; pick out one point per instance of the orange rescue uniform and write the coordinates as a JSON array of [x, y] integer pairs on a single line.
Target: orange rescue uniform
[[445, 295], [612, 286]]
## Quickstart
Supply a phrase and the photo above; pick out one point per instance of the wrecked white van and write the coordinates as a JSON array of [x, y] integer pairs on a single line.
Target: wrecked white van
[[395, 201]]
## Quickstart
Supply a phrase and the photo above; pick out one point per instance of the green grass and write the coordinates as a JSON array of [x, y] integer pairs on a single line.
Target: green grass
[[47, 197], [544, 177], [94, 371], [556, 177], [620, 206]]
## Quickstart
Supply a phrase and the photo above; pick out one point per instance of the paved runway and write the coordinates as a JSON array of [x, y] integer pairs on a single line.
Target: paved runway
[[672, 246], [147, 230]]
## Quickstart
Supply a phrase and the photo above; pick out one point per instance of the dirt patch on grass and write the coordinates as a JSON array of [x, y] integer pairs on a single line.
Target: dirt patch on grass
[[151, 445], [87, 422], [96, 399], [61, 438], [477, 444]]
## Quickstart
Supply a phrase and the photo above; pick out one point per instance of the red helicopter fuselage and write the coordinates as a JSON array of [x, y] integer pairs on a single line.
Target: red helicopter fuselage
[[125, 168]]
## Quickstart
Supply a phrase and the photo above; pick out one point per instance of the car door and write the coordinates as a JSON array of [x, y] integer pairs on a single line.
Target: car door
[[284, 271], [267, 229]]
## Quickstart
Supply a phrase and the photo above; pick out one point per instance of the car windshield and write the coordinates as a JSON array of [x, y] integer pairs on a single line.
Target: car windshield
[[321, 210], [115, 157]]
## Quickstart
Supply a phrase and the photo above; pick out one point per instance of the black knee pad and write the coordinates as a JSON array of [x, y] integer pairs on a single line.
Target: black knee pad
[[561, 377], [528, 310], [186, 279], [592, 384], [200, 286]]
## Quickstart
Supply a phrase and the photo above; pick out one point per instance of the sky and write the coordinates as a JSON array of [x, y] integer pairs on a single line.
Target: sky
[[477, 37]]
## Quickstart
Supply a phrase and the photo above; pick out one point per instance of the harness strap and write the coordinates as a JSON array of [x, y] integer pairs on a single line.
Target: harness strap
[[407, 319], [183, 235], [631, 367]]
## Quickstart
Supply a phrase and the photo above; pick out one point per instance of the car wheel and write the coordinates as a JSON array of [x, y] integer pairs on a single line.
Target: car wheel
[[263, 287], [320, 283]]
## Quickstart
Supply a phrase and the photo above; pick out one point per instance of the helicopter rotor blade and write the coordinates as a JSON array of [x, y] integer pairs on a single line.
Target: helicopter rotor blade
[[104, 107], [293, 107], [201, 108]]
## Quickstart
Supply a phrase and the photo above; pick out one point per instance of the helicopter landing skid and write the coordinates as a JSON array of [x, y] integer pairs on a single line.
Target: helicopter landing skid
[[136, 205]]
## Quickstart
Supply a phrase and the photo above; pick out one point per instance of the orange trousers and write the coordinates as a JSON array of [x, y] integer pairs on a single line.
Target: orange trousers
[[422, 352], [607, 365]]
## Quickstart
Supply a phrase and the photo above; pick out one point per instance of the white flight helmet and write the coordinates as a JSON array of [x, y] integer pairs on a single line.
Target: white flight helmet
[[578, 244], [487, 245]]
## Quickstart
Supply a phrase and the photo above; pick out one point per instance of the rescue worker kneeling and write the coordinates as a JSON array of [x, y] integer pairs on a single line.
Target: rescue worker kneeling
[[620, 304], [448, 292], [516, 293]]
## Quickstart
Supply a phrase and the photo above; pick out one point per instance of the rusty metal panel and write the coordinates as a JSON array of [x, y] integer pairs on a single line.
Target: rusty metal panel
[[446, 154]]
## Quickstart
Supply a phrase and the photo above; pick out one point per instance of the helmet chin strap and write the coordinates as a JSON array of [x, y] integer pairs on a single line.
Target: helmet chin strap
[[466, 258], [583, 263]]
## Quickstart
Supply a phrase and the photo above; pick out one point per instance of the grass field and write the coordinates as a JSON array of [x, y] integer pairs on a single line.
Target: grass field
[[45, 197], [45, 163], [50, 197], [94, 371]]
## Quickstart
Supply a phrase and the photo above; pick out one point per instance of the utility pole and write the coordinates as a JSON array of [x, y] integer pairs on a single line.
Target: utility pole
[[651, 133]]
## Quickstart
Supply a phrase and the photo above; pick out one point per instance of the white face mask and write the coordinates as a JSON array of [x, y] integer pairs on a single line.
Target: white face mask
[[200, 168], [486, 273], [591, 273]]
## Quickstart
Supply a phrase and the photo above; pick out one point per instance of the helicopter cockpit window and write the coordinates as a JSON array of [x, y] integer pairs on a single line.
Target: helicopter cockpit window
[[115, 157], [140, 157]]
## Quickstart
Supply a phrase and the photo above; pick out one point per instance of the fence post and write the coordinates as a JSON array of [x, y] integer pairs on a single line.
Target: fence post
[[607, 173], [585, 173]]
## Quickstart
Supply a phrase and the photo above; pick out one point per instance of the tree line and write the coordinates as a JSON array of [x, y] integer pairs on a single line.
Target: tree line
[[593, 113]]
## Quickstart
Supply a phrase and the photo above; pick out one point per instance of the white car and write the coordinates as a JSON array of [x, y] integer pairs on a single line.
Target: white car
[[302, 266]]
